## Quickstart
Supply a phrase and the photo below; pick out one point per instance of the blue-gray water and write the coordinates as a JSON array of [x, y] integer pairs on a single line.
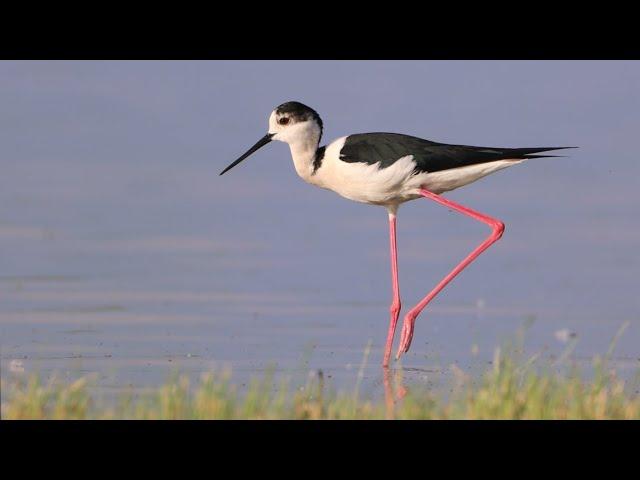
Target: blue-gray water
[[123, 252]]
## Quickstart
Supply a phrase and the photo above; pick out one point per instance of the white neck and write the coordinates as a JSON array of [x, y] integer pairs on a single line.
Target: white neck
[[303, 152], [303, 139]]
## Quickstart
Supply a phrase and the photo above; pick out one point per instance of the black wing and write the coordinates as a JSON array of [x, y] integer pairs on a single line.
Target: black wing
[[387, 148]]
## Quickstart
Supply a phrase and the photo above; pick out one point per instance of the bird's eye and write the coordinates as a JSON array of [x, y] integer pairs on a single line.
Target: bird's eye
[[283, 120]]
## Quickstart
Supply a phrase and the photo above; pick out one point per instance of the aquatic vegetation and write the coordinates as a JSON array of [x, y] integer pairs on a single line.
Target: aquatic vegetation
[[510, 389]]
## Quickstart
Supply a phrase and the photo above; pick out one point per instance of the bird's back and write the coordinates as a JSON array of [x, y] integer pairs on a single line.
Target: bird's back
[[386, 148]]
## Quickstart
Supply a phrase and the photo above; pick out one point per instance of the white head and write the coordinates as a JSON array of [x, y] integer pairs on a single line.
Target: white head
[[292, 123]]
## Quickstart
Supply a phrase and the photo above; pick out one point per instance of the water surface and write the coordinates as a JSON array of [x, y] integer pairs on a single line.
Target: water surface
[[123, 252]]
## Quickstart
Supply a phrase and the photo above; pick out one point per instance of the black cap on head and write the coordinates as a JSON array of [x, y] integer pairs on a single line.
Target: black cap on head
[[300, 112]]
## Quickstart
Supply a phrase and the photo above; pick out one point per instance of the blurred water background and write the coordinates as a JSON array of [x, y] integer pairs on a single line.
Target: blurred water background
[[123, 253]]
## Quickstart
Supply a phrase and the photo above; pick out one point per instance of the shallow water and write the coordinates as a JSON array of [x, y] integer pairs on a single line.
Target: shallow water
[[123, 252]]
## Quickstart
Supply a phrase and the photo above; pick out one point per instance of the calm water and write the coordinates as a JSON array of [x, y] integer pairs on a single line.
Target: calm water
[[123, 252]]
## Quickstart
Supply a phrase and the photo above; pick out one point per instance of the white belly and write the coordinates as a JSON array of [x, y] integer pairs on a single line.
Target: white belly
[[366, 183], [446, 180]]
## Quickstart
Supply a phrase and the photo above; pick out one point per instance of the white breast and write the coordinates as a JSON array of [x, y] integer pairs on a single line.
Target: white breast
[[362, 182]]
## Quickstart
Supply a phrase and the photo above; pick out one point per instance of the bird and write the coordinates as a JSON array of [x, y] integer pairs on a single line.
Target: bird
[[389, 169]]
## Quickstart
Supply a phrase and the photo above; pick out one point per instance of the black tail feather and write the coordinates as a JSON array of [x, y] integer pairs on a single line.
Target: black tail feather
[[528, 152]]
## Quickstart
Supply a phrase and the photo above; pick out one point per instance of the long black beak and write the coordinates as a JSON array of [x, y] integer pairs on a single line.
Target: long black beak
[[261, 143]]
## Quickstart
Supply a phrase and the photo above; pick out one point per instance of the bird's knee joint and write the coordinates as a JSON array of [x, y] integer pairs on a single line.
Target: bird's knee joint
[[410, 317], [498, 229], [395, 307]]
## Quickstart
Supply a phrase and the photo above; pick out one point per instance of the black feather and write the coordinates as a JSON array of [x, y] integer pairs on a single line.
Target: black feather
[[317, 159], [386, 148]]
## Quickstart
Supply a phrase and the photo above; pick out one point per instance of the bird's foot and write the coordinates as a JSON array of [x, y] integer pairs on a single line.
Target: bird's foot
[[407, 334]]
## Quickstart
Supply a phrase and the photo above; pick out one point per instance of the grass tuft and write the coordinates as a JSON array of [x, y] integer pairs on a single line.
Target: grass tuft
[[511, 389]]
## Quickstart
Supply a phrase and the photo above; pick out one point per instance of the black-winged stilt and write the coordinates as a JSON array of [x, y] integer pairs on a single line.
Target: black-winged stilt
[[389, 169]]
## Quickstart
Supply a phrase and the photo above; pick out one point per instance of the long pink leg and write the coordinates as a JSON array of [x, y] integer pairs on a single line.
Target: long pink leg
[[497, 227], [395, 303]]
